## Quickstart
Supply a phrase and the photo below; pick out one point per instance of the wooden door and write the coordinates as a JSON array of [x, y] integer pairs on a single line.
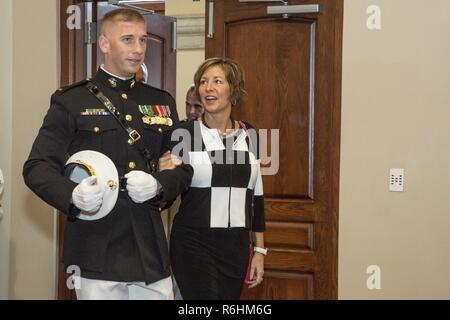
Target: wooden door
[[160, 60], [293, 80]]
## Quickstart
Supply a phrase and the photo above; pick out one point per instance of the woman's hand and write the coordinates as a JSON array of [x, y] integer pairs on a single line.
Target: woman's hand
[[257, 269], [169, 161]]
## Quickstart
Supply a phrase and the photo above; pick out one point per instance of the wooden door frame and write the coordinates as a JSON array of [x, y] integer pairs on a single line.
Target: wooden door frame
[[335, 149], [71, 56]]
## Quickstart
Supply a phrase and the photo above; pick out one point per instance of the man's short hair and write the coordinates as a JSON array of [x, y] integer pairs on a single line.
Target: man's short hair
[[122, 14], [191, 89]]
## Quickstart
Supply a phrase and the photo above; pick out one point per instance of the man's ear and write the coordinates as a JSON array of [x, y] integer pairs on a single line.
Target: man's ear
[[103, 44]]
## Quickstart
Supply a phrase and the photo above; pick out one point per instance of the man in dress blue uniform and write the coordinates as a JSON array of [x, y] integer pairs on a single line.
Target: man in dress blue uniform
[[123, 255]]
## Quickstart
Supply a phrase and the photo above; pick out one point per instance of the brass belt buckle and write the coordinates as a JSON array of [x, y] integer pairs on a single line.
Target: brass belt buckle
[[134, 136]]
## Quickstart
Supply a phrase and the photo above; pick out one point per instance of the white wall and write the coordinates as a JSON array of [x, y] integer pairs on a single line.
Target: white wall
[[187, 64], [35, 77], [395, 113], [6, 59], [187, 60], [184, 7]]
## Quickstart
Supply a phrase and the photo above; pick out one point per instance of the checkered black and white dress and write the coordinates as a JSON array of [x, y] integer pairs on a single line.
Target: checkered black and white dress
[[210, 239], [226, 189]]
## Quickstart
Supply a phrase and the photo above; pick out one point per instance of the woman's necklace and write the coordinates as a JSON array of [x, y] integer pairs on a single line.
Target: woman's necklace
[[223, 134]]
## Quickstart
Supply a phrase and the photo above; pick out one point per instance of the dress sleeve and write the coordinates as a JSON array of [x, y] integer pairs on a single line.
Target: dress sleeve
[[259, 221]]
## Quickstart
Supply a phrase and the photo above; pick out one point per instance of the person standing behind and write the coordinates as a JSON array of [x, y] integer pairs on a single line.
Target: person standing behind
[[194, 108], [123, 255], [209, 245]]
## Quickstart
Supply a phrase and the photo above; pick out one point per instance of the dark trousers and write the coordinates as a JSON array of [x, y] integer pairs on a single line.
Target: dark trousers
[[209, 264]]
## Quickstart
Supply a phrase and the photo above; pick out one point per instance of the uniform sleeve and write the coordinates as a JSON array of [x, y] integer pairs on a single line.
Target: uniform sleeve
[[176, 181], [42, 171]]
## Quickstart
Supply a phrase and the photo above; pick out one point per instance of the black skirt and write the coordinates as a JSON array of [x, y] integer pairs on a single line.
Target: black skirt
[[209, 264]]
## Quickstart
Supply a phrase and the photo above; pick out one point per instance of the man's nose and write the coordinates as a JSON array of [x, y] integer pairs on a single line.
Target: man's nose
[[139, 47]]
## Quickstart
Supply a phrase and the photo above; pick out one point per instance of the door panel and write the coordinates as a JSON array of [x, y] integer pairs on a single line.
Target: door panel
[[286, 86], [293, 71], [283, 286]]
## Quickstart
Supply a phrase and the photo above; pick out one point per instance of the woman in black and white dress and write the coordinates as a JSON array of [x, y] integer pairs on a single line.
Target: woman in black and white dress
[[210, 233]]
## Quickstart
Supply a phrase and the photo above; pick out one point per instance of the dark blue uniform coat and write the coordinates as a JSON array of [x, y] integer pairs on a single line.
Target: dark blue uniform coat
[[129, 244]]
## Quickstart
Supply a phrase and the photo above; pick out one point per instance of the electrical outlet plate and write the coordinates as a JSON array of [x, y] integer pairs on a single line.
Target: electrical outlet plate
[[396, 179]]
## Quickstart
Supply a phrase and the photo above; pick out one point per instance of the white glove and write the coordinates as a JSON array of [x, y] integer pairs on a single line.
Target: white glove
[[88, 195], [141, 186]]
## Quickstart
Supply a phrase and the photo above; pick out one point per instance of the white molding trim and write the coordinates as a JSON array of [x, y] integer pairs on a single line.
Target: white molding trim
[[6, 142], [55, 255], [190, 32]]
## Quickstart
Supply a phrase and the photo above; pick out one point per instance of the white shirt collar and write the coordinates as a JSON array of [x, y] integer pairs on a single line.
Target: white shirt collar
[[112, 74], [213, 141]]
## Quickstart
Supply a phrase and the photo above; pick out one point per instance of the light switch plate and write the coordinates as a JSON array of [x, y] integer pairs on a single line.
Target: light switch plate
[[396, 179]]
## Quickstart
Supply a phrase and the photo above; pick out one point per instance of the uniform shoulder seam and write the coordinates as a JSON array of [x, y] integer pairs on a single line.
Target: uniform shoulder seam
[[157, 89], [65, 89]]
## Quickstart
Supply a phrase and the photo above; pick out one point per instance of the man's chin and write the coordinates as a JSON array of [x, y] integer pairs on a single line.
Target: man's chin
[[135, 66], [130, 72]]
